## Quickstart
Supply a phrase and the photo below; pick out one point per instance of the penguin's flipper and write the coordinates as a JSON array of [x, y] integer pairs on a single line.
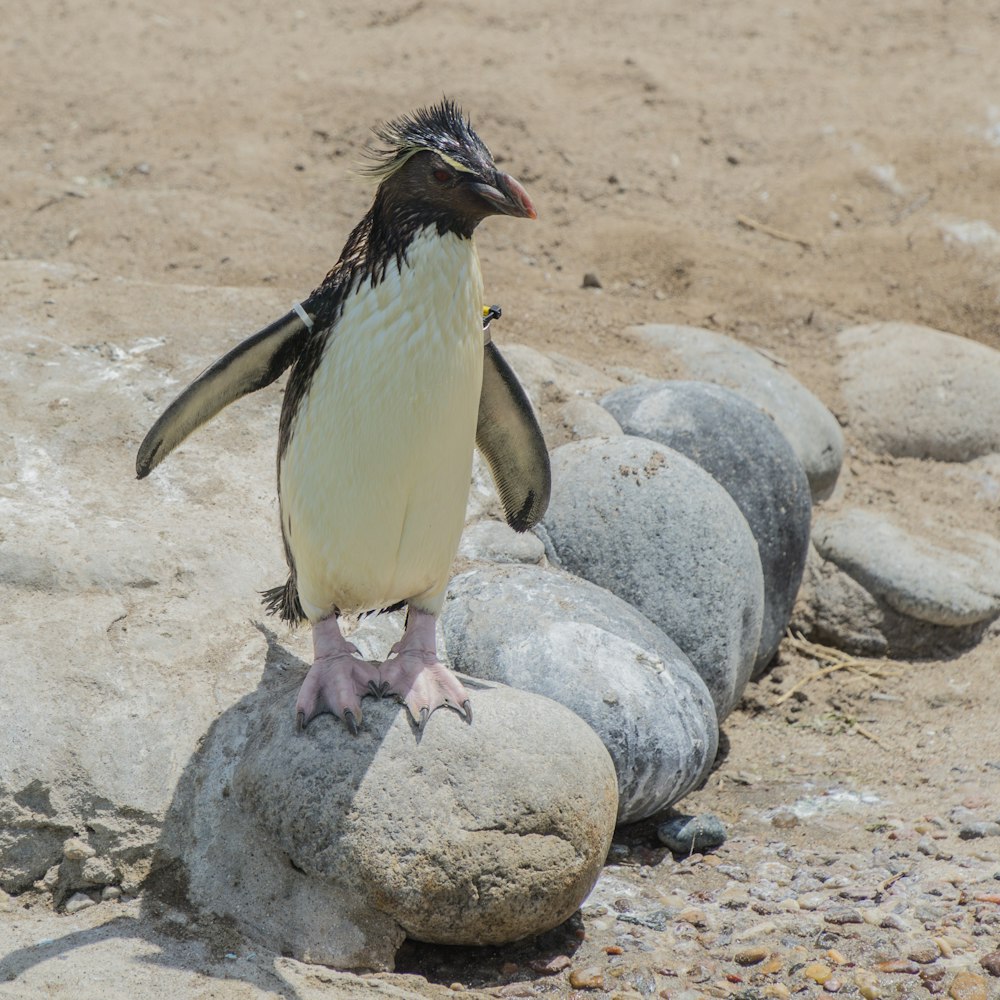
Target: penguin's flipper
[[509, 438], [249, 366]]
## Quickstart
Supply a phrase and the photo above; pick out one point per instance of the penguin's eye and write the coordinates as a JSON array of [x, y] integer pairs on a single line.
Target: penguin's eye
[[442, 176]]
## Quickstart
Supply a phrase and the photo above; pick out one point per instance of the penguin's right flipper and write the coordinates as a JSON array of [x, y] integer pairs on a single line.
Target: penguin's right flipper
[[509, 438], [249, 366]]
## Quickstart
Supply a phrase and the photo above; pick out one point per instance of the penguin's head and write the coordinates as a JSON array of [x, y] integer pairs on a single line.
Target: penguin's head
[[433, 168]]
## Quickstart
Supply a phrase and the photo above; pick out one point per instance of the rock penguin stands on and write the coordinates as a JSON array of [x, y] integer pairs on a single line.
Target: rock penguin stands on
[[391, 387]]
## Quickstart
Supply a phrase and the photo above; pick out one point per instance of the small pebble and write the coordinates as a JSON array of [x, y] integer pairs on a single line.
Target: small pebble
[[833, 985], [967, 986], [899, 966], [991, 963], [784, 819], [78, 901], [587, 979], [751, 956], [843, 915], [895, 922], [812, 900], [771, 966], [944, 946], [699, 973], [779, 990], [817, 972], [110, 892], [687, 834], [836, 957], [755, 931], [76, 849], [510, 968], [551, 966], [614, 949], [924, 952], [692, 916], [590, 280], [973, 831], [866, 985], [457, 987]]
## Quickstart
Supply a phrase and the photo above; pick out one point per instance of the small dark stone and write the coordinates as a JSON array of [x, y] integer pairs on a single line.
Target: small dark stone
[[973, 831], [844, 915], [687, 834], [991, 963], [590, 280]]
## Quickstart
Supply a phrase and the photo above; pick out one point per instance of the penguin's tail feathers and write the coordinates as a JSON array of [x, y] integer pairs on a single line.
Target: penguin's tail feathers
[[284, 602]]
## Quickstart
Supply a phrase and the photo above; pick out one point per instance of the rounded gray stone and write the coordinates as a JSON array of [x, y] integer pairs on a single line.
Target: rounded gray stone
[[562, 637], [810, 427], [686, 834], [496, 541], [460, 834], [653, 527], [914, 391], [743, 449], [914, 576]]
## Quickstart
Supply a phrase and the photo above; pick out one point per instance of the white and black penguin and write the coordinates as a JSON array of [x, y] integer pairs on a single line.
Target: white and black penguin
[[392, 386]]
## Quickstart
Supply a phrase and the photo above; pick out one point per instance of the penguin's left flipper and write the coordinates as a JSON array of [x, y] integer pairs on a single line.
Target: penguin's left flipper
[[249, 366], [509, 438]]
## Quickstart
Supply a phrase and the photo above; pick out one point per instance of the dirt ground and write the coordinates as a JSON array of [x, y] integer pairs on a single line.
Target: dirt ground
[[777, 172]]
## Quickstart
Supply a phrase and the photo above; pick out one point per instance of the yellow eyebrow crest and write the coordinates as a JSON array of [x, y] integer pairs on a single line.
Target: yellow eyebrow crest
[[454, 164]]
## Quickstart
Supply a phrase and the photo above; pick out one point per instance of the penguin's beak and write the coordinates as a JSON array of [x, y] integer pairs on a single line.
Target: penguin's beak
[[506, 196]]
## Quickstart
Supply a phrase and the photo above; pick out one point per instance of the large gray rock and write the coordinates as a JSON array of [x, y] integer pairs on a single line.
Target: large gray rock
[[810, 427], [461, 834], [913, 391], [651, 526], [745, 452], [125, 629], [836, 610], [914, 576], [560, 636]]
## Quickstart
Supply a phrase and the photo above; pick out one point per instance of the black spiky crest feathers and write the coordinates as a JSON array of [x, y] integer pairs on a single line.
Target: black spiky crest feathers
[[441, 127]]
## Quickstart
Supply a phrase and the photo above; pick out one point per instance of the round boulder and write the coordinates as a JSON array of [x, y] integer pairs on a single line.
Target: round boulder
[[461, 834], [810, 427], [562, 637], [914, 391], [745, 452], [653, 527]]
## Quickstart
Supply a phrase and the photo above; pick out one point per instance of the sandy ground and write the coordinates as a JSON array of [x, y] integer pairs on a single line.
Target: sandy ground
[[774, 171]]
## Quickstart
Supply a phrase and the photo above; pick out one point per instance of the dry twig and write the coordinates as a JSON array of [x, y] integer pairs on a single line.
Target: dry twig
[[778, 234], [836, 659]]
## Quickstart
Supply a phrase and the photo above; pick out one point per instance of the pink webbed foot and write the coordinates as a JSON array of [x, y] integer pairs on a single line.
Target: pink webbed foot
[[337, 680], [415, 676]]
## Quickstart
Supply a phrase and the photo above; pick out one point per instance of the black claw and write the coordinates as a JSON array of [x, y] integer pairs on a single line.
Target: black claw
[[300, 722], [380, 689], [467, 705], [350, 722], [424, 716]]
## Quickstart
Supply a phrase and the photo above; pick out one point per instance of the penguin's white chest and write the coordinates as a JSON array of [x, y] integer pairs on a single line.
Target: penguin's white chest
[[375, 478]]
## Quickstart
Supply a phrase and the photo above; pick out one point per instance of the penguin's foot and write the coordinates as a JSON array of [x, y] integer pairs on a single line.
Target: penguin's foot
[[423, 684], [415, 676], [337, 680]]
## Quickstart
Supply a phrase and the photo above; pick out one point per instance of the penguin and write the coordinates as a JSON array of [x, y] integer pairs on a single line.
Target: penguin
[[394, 381]]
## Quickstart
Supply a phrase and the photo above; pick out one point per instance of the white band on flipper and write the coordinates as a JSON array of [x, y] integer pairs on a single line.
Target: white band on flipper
[[303, 315]]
